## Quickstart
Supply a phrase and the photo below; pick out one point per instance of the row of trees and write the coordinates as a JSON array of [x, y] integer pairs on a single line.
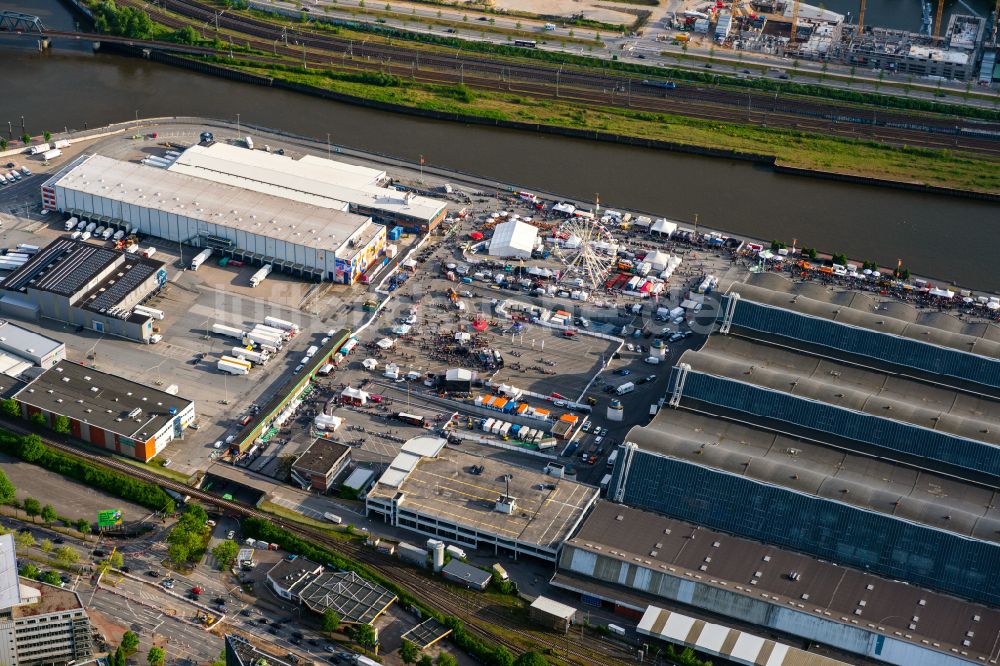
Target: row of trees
[[25, 139], [129, 646], [125, 21], [31, 449]]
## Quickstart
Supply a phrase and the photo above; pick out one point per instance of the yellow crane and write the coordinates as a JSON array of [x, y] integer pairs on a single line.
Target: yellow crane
[[937, 19], [795, 20], [861, 16]]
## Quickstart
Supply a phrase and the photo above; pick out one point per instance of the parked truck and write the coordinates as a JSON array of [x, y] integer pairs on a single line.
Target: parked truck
[[260, 276], [51, 154], [149, 312], [251, 355], [227, 331], [200, 258], [627, 387], [232, 368], [274, 322], [61, 143]]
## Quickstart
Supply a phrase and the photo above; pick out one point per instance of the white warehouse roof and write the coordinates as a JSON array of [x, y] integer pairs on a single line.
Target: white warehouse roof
[[553, 607], [222, 204], [305, 179], [513, 239], [10, 594], [26, 343]]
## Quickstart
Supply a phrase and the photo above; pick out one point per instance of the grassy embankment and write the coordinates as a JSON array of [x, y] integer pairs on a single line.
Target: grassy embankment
[[805, 150]]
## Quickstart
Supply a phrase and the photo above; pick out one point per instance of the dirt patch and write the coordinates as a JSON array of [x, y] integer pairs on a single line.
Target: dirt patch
[[568, 9]]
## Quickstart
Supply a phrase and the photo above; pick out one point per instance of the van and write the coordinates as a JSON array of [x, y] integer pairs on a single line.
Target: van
[[605, 482], [612, 458], [70, 223], [85, 236], [217, 445], [333, 518], [298, 368], [627, 387], [107, 233]]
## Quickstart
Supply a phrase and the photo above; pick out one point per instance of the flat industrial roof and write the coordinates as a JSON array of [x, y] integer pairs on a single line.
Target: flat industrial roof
[[216, 203], [321, 456], [807, 467], [101, 399], [17, 340], [458, 569], [355, 599], [427, 633], [308, 179], [247, 654], [848, 386], [444, 487], [10, 594], [868, 310], [754, 570], [45, 599]]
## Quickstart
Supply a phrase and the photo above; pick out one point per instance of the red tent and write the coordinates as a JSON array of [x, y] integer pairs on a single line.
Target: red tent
[[476, 235]]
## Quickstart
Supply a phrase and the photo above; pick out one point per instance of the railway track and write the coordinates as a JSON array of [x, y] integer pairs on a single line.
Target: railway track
[[598, 89], [475, 612]]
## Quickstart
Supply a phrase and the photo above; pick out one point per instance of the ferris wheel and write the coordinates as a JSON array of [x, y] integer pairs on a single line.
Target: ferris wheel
[[587, 250]]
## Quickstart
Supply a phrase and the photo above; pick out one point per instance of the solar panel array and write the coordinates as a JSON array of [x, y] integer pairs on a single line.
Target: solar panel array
[[848, 535], [125, 281], [881, 347], [76, 266], [782, 411]]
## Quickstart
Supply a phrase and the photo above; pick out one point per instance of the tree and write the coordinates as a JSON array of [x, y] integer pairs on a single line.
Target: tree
[[7, 489], [531, 659], [225, 553], [52, 578], [67, 556], [39, 420], [408, 652], [364, 634], [130, 643], [32, 507], [47, 135], [83, 526], [119, 658], [10, 408], [156, 657], [49, 514], [29, 570], [26, 138], [32, 449], [46, 545], [116, 560], [61, 424], [3, 143], [24, 540], [445, 659], [425, 660], [331, 620], [178, 552]]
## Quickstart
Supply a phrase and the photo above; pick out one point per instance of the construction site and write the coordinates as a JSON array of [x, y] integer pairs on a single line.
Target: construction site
[[963, 48]]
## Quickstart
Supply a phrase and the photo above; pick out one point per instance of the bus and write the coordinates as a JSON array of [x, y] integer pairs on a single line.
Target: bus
[[526, 43], [412, 419]]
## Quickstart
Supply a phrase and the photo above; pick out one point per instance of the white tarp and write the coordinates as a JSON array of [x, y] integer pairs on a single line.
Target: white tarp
[[657, 260], [942, 293], [385, 343], [352, 393], [513, 239], [369, 364]]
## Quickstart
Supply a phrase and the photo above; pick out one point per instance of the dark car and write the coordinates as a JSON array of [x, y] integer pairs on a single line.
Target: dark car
[[125, 568], [59, 540], [218, 600], [245, 612], [273, 631], [153, 574], [297, 634], [99, 553]]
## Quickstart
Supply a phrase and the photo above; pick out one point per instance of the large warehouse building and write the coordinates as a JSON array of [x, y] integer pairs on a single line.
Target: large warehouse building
[[85, 285], [315, 180], [478, 502], [841, 426], [294, 235], [106, 410]]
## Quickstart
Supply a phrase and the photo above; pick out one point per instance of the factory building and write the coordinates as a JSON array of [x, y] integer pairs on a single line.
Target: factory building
[[39, 623], [478, 502], [321, 463], [826, 422], [296, 236], [354, 599], [316, 180], [106, 410], [82, 284], [21, 349], [628, 560]]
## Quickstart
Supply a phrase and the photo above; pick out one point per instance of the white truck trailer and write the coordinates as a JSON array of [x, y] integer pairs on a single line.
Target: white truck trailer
[[232, 368], [200, 258], [274, 322], [260, 276], [227, 331]]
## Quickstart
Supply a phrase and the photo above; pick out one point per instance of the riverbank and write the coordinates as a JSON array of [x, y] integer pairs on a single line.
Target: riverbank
[[797, 152]]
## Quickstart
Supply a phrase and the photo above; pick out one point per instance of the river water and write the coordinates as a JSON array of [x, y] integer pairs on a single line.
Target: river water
[[905, 14], [946, 237]]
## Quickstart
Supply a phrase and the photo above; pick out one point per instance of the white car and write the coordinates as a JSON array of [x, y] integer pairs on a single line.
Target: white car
[[231, 534], [118, 235], [85, 236]]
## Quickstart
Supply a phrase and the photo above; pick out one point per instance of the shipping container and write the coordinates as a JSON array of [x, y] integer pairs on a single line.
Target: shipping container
[[260, 276], [245, 363], [257, 357], [150, 312], [232, 368], [61, 143], [40, 148]]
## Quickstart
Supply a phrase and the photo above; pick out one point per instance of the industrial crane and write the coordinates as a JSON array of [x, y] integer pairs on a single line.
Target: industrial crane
[[861, 16], [795, 20], [937, 19]]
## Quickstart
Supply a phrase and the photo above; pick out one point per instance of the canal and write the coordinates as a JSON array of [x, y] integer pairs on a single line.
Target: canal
[[946, 237]]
